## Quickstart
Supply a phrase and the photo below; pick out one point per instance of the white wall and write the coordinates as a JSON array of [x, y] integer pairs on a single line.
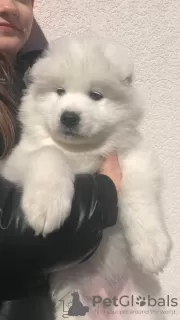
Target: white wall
[[151, 30]]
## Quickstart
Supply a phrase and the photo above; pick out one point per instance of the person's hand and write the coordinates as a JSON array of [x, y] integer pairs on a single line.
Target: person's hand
[[111, 168]]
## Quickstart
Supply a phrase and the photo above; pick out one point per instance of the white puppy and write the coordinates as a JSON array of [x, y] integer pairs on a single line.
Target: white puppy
[[80, 106]]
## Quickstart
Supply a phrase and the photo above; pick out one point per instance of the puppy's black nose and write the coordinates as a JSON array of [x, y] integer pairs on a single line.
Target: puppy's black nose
[[70, 119]]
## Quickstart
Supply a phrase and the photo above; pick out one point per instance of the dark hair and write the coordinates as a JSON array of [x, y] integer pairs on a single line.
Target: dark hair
[[7, 107]]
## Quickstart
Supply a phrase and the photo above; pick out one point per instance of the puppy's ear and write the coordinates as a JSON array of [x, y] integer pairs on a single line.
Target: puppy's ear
[[119, 58], [40, 66]]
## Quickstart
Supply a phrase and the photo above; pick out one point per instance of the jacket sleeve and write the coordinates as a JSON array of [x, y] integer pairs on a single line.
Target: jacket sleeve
[[22, 253]]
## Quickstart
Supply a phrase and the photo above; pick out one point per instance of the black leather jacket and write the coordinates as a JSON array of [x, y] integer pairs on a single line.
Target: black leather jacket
[[26, 259]]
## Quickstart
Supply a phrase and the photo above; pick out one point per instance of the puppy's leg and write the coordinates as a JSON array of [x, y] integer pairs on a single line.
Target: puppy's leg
[[48, 190], [141, 212]]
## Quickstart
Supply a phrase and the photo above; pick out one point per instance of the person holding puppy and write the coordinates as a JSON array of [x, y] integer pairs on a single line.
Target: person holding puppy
[[27, 259]]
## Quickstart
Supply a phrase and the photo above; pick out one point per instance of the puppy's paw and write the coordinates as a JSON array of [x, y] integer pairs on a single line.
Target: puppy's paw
[[47, 206], [152, 254]]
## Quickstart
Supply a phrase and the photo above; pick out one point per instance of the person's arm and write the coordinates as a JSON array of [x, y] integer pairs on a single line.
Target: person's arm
[[24, 255], [94, 208]]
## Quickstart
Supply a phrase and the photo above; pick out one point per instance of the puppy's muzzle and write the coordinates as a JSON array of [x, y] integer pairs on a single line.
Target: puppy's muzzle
[[69, 119]]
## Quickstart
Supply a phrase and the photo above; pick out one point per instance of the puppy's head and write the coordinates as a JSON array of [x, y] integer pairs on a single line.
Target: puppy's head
[[82, 88]]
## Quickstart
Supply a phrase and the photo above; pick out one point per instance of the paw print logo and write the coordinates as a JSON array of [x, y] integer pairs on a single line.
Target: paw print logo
[[141, 301]]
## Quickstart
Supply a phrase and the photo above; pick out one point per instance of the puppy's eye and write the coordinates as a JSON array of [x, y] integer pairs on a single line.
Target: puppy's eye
[[60, 91], [95, 95]]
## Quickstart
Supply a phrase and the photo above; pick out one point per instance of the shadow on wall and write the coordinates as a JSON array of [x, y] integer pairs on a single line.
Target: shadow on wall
[[37, 39]]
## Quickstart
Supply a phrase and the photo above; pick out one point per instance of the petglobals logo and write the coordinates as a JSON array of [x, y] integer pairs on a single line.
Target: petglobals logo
[[72, 305], [132, 301]]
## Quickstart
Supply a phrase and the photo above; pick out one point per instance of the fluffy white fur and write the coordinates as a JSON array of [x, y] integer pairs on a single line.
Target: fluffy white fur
[[46, 159]]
